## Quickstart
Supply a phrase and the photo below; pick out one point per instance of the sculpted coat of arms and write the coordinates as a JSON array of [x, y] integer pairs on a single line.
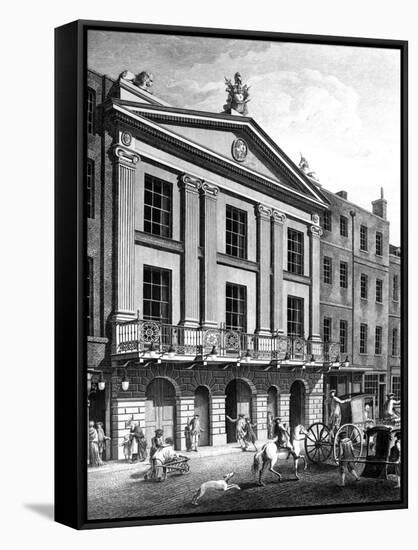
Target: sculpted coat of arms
[[238, 95]]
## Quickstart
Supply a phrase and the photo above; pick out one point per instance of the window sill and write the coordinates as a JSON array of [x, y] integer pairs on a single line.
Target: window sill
[[364, 299]]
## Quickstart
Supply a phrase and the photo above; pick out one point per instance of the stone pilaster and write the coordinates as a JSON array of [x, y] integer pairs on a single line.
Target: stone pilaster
[[125, 161], [284, 407], [217, 420], [278, 306], [314, 411], [209, 287], [261, 416], [190, 236], [184, 413], [263, 321], [122, 412], [315, 272]]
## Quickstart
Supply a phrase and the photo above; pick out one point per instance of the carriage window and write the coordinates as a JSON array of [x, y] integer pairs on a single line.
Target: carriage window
[[236, 232], [295, 316], [236, 307], [363, 338], [157, 294]]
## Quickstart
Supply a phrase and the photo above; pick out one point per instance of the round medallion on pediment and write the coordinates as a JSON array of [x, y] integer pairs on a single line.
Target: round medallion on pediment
[[239, 150], [126, 138]]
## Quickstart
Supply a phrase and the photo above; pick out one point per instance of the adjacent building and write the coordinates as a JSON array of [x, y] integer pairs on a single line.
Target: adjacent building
[[210, 285]]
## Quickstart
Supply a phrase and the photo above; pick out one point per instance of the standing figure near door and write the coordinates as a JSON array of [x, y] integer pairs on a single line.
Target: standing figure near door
[[335, 416], [195, 428], [239, 430]]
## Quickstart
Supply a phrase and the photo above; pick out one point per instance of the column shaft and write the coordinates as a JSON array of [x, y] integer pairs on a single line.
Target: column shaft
[[278, 306], [264, 260], [315, 272], [209, 286]]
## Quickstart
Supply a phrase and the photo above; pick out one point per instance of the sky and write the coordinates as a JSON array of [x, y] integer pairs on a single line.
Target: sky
[[337, 105]]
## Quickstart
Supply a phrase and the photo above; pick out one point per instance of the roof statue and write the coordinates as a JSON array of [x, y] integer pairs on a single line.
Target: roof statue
[[238, 95], [142, 80], [304, 166]]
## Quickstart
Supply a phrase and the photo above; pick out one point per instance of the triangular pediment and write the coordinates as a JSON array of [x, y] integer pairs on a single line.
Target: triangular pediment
[[217, 133]]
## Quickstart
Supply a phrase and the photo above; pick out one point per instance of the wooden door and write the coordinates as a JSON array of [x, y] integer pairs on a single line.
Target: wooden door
[[238, 401], [201, 407], [160, 409]]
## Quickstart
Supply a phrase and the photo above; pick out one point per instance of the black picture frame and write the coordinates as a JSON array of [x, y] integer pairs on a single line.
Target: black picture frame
[[70, 264]]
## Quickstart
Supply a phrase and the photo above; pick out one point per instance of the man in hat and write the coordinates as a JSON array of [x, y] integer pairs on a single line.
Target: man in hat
[[195, 428], [93, 445], [388, 408], [281, 435], [346, 458], [240, 430], [102, 438], [335, 416]]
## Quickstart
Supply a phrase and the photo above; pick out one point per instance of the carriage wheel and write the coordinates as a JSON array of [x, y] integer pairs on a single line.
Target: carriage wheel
[[352, 432], [185, 468], [318, 446]]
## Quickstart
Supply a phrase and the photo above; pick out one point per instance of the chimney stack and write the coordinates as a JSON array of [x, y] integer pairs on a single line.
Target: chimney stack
[[342, 194], [380, 206]]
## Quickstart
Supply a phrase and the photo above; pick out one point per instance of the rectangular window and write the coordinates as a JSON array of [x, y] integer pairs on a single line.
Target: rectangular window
[[363, 238], [91, 106], [395, 288], [90, 188], [327, 265], [371, 383], [378, 341], [343, 226], [379, 243], [157, 294], [295, 316], [364, 282], [395, 342], [236, 232], [343, 274], [363, 338], [327, 329], [236, 307], [379, 291], [89, 297], [158, 206], [396, 386], [295, 251], [326, 222], [343, 336]]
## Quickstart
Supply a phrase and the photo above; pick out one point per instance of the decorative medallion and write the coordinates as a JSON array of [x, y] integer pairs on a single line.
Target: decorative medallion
[[239, 150], [126, 138]]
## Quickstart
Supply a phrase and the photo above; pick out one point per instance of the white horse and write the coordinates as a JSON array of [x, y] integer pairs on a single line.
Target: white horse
[[270, 454]]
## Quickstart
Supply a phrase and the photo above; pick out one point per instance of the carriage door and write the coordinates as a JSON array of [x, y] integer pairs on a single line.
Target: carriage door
[[160, 408], [238, 401], [201, 407], [297, 404]]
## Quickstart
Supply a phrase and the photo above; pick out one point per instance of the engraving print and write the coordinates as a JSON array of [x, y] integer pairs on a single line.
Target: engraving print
[[243, 275]]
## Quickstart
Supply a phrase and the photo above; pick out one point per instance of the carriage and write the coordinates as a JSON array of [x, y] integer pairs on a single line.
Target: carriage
[[357, 416]]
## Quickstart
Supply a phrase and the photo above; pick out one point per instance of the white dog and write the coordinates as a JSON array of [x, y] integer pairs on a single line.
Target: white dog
[[220, 485]]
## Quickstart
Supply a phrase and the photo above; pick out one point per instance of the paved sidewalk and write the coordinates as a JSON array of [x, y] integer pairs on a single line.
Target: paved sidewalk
[[203, 452]]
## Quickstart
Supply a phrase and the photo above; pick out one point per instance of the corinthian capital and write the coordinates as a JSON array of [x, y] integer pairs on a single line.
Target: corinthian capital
[[190, 183], [279, 217], [125, 156], [316, 231], [263, 211]]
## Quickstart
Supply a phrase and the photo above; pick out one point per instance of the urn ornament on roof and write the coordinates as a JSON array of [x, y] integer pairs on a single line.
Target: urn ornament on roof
[[238, 95]]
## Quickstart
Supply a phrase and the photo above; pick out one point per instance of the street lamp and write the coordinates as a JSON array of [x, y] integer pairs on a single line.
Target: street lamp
[[125, 381], [247, 357], [171, 351], [346, 362], [213, 354]]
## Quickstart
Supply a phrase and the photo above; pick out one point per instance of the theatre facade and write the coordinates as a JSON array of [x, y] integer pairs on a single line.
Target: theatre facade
[[203, 279]]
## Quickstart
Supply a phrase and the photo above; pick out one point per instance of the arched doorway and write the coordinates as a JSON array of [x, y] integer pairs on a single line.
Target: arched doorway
[[201, 407], [238, 401], [297, 404], [160, 407], [272, 412]]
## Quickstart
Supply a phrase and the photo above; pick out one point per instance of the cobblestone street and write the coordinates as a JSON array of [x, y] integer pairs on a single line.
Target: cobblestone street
[[118, 489]]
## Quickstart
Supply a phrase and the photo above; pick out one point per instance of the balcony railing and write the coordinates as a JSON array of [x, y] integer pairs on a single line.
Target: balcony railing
[[187, 342]]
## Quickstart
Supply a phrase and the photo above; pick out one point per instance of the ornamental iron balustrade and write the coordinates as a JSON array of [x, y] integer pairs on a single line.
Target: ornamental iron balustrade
[[140, 335]]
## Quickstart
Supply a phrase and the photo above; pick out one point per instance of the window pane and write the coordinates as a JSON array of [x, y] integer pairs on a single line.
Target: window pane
[[157, 206]]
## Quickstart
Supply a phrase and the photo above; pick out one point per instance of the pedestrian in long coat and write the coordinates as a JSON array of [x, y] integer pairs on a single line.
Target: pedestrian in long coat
[[250, 433], [239, 430], [93, 445]]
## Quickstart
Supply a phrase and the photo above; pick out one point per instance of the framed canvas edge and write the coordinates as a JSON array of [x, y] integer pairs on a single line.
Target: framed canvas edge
[[71, 510]]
